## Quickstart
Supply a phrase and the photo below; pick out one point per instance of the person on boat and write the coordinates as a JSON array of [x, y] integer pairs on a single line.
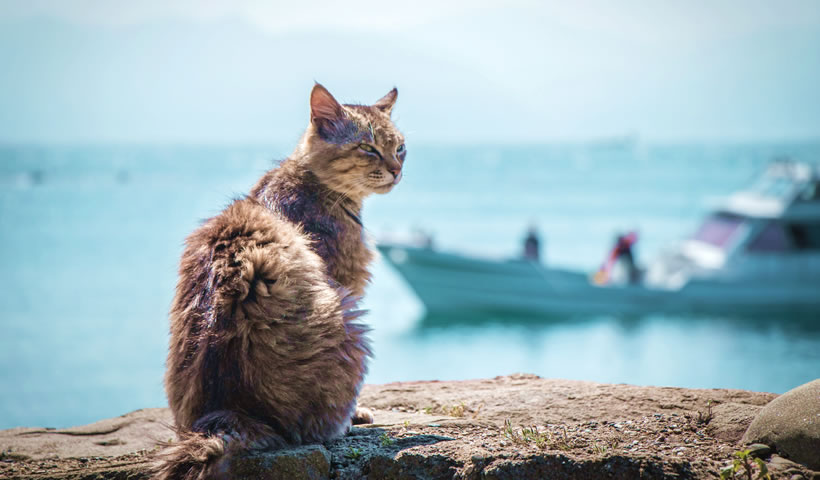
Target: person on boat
[[623, 249], [532, 245], [620, 253]]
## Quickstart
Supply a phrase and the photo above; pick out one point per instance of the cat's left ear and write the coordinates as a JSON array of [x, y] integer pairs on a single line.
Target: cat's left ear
[[385, 104], [323, 107]]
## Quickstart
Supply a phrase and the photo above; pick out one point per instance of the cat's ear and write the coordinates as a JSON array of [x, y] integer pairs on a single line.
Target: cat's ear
[[323, 107], [385, 104]]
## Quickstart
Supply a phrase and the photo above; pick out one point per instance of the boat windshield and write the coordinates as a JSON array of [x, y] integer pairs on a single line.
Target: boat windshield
[[718, 229], [777, 186], [782, 179]]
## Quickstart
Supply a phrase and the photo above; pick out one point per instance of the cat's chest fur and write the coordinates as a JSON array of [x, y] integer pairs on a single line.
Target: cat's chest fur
[[334, 230]]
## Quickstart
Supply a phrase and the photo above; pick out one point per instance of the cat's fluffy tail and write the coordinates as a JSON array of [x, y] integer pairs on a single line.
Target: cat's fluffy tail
[[206, 454], [189, 458]]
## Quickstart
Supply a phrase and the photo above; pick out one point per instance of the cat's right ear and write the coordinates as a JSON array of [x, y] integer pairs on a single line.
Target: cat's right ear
[[385, 104], [324, 108]]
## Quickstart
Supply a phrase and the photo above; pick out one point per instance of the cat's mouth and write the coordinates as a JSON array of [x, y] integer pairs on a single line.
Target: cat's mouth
[[383, 183], [397, 178], [383, 188]]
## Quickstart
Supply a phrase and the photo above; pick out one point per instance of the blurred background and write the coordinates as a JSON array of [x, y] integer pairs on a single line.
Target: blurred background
[[124, 124]]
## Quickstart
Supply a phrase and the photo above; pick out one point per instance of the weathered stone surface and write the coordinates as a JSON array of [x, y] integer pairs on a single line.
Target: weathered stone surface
[[517, 426], [791, 425], [310, 462], [374, 453], [560, 467], [781, 467], [112, 437], [759, 450], [730, 420]]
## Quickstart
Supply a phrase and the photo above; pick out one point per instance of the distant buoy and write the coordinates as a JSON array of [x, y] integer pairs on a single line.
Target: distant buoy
[[37, 177]]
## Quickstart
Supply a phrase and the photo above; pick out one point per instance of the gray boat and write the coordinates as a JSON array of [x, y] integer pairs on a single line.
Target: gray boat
[[758, 253]]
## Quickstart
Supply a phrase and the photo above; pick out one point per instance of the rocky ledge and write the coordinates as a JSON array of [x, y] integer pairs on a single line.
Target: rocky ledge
[[512, 427]]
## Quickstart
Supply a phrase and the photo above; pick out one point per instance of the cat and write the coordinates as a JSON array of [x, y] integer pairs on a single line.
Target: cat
[[266, 348]]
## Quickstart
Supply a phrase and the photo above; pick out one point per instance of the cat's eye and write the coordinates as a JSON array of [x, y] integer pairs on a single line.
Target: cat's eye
[[400, 149], [367, 148]]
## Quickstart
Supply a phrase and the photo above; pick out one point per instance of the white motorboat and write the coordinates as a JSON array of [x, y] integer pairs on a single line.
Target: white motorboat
[[758, 253]]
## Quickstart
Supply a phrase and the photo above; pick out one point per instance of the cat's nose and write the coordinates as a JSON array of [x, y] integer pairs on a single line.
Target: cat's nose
[[394, 170]]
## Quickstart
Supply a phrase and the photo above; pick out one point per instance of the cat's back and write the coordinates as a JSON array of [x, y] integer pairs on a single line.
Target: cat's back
[[331, 228], [242, 224], [241, 270], [242, 228]]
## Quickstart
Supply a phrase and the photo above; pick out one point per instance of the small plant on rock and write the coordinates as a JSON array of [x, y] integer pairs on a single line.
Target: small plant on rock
[[562, 440], [542, 440], [599, 448], [745, 467], [385, 440], [705, 417], [532, 434], [354, 453], [512, 434], [454, 411]]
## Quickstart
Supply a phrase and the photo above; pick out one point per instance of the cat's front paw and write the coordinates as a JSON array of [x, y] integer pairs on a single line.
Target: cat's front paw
[[362, 415]]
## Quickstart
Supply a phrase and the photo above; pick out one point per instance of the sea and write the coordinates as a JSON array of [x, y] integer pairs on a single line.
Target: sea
[[90, 238]]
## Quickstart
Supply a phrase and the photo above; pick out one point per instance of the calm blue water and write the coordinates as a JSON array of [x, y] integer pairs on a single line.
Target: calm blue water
[[90, 238]]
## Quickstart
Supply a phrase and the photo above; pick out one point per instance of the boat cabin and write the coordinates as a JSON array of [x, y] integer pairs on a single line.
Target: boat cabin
[[771, 230]]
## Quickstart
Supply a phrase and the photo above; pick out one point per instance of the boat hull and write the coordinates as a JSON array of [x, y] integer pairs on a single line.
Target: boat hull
[[449, 283]]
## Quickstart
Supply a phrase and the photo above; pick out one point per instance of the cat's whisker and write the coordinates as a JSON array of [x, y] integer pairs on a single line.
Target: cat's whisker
[[343, 195], [357, 183]]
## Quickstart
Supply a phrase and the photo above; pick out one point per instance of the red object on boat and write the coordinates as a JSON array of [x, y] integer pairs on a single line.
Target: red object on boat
[[623, 245]]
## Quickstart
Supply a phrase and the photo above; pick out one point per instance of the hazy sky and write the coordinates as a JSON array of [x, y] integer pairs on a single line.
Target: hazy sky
[[216, 72]]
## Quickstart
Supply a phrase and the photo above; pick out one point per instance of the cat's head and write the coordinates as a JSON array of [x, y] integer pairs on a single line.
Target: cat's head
[[355, 150]]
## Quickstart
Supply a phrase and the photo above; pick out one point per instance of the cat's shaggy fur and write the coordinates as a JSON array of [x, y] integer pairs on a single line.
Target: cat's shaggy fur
[[266, 348]]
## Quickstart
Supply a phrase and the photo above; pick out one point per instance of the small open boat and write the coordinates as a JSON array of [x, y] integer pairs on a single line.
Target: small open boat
[[758, 253]]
